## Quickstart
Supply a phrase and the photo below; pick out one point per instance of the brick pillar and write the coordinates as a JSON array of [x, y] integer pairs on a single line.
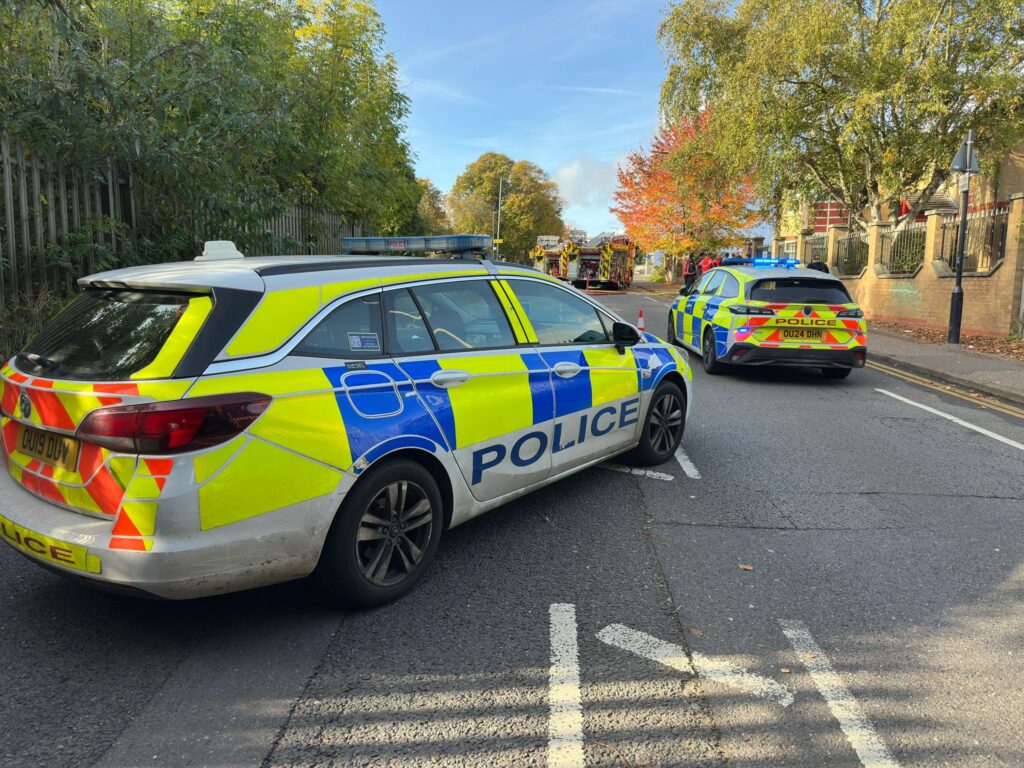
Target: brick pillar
[[835, 231], [932, 233], [801, 244], [776, 247], [1015, 260], [875, 247]]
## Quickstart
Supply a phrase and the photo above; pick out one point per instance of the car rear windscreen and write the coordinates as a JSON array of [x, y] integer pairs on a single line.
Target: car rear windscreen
[[799, 290], [104, 335]]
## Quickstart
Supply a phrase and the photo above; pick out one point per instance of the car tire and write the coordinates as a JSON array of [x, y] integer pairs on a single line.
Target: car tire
[[384, 536], [835, 373], [663, 426], [707, 354]]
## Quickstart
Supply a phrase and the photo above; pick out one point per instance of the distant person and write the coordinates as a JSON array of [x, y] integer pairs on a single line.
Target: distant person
[[690, 271], [707, 263], [817, 264]]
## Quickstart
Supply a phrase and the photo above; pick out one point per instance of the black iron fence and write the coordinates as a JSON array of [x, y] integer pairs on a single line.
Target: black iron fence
[[59, 221], [986, 239], [816, 247], [902, 251], [851, 254]]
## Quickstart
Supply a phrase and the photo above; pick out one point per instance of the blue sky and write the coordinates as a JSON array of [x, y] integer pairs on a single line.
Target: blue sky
[[567, 84]]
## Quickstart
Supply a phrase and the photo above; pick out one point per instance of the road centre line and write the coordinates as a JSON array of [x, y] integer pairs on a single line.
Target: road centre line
[[954, 419], [844, 707], [639, 472], [709, 667], [688, 466], [565, 723]]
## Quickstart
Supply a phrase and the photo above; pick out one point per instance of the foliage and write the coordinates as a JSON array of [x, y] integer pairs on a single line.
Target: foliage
[[530, 204], [862, 102], [225, 114], [678, 198], [432, 211]]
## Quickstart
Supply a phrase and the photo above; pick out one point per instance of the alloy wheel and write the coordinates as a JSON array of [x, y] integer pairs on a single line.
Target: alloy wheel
[[393, 533], [665, 425]]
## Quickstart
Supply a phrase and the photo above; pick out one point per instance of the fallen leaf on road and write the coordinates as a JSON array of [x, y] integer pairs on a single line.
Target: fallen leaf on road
[[784, 670], [746, 567], [695, 631]]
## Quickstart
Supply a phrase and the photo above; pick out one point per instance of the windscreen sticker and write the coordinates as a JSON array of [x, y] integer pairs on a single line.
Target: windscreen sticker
[[363, 342]]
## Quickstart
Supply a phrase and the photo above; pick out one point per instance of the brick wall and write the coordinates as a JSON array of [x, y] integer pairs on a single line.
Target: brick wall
[[992, 300]]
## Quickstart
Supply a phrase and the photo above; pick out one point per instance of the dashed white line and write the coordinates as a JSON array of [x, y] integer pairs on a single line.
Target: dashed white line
[[688, 466], [565, 723], [954, 419], [639, 472], [654, 300], [844, 707], [708, 667]]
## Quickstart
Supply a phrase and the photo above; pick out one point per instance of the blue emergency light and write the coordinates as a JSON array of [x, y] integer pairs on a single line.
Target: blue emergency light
[[417, 244], [764, 262]]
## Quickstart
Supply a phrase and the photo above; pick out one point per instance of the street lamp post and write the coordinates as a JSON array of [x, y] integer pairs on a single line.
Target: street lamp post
[[965, 163], [497, 235]]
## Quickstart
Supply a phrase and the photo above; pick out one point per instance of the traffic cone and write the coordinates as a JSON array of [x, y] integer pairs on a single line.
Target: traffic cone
[[640, 322]]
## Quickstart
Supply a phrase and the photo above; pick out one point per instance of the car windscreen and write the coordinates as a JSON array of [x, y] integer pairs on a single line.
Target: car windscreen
[[104, 335], [799, 290]]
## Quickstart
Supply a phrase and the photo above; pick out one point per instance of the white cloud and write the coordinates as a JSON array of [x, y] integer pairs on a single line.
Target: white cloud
[[587, 185]]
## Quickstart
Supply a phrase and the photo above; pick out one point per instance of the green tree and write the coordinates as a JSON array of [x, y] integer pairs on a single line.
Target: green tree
[[862, 102], [433, 215], [530, 203]]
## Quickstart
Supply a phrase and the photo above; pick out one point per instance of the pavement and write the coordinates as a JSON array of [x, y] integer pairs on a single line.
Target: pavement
[[830, 573]]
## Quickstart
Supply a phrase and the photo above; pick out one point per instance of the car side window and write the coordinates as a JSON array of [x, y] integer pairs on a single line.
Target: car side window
[[702, 284], [557, 316], [352, 330], [712, 285], [407, 333], [730, 287], [464, 315]]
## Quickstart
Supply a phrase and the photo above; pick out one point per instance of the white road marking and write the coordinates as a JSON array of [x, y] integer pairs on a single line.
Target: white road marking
[[565, 725], [858, 729], [654, 300], [709, 667], [639, 472], [688, 466], [954, 419]]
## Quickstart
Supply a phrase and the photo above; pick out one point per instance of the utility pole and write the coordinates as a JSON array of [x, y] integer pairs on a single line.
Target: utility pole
[[965, 163]]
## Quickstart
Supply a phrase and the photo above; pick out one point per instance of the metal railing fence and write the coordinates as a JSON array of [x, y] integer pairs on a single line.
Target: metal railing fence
[[902, 251], [851, 254], [816, 247], [985, 245]]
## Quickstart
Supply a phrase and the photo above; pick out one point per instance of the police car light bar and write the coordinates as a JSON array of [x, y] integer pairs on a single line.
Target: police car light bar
[[764, 262], [428, 244]]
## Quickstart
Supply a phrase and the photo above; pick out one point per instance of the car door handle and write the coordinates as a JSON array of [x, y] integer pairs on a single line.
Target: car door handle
[[448, 379], [566, 370]]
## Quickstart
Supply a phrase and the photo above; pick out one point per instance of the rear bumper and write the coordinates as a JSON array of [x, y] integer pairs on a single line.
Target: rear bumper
[[749, 354], [274, 547]]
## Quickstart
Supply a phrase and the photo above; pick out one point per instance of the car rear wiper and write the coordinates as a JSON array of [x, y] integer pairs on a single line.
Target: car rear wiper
[[42, 362]]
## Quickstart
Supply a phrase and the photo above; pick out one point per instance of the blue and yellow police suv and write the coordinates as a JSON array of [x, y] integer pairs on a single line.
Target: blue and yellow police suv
[[195, 428], [769, 312]]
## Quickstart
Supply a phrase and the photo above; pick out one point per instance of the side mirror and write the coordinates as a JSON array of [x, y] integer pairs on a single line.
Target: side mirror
[[624, 335], [684, 290]]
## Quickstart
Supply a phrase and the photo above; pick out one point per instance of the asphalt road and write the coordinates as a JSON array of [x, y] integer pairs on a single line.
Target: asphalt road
[[877, 618]]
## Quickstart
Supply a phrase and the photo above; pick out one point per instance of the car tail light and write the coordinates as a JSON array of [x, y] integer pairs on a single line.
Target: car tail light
[[175, 426], [747, 309], [850, 313]]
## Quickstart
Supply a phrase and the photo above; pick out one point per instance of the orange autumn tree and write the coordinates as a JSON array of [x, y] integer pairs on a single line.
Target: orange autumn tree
[[678, 199]]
